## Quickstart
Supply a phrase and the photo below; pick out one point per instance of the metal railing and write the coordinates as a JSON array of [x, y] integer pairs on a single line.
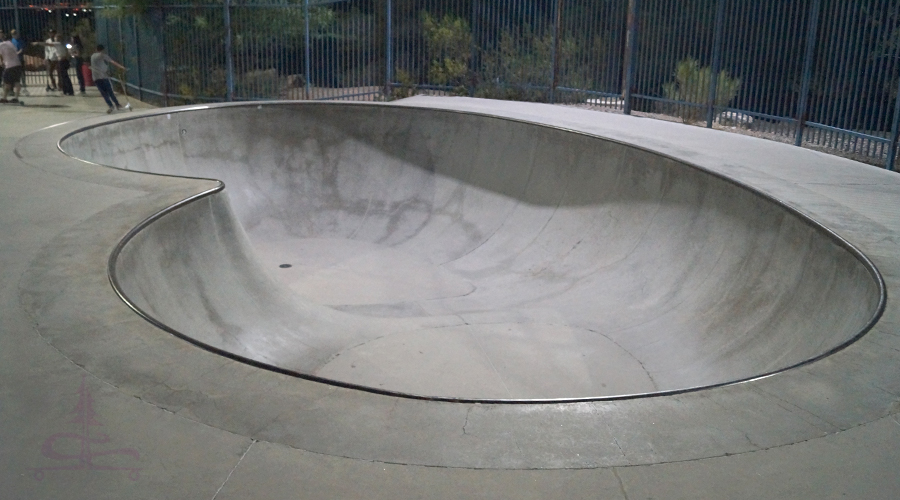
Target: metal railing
[[817, 73]]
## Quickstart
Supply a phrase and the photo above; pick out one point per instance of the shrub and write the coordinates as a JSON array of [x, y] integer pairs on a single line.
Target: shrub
[[407, 86], [691, 85], [520, 66], [449, 45]]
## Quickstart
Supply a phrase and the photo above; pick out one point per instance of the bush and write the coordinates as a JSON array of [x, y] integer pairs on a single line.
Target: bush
[[258, 84], [520, 66], [520, 62], [692, 85], [449, 45], [407, 86]]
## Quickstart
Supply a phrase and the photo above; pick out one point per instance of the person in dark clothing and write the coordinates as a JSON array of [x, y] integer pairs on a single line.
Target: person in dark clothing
[[62, 66], [20, 47], [77, 51], [100, 62], [55, 47]]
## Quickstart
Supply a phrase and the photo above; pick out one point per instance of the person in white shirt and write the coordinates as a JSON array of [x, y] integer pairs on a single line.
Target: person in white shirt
[[12, 69], [62, 65], [50, 60]]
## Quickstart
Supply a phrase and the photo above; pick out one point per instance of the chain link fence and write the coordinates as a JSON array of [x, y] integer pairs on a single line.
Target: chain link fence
[[818, 73]]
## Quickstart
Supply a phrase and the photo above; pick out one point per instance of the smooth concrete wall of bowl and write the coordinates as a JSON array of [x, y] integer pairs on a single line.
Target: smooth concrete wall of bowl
[[451, 255]]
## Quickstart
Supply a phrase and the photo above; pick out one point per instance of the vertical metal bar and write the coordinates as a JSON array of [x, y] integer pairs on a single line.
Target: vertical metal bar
[[728, 51], [630, 51], [895, 133], [770, 84], [473, 54], [229, 56], [18, 27], [859, 75], [795, 26], [716, 61], [137, 46], [389, 48], [853, 40], [778, 24], [825, 108], [554, 55], [872, 69], [165, 60], [756, 54], [861, 118], [871, 117], [879, 116], [807, 69], [122, 57], [306, 70], [655, 49]]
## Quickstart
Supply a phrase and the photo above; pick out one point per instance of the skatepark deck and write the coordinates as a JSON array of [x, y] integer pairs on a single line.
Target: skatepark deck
[[691, 257]]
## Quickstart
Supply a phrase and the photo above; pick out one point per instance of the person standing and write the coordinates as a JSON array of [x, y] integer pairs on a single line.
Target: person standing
[[50, 60], [20, 44], [100, 62], [76, 52], [62, 65], [12, 70]]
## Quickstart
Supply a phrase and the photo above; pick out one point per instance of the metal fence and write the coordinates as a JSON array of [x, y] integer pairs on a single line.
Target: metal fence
[[817, 73], [34, 19]]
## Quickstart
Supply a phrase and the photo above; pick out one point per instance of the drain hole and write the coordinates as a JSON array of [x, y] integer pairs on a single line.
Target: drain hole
[[284, 266]]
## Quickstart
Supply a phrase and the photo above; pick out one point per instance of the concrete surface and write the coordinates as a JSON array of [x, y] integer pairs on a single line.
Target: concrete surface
[[196, 425], [473, 257]]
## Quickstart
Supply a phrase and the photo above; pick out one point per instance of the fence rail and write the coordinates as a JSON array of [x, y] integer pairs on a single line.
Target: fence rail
[[816, 73]]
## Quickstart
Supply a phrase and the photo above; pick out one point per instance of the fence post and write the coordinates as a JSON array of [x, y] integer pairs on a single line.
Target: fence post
[[18, 27], [137, 62], [895, 134], [388, 50], [165, 57], [716, 63], [306, 50], [472, 51], [229, 56], [123, 56], [630, 50], [807, 69], [554, 81]]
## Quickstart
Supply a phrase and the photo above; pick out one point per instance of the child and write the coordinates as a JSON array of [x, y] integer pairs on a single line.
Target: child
[[100, 72]]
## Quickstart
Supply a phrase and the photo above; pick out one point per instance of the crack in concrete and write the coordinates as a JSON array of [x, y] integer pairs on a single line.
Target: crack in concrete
[[620, 449], [491, 363], [252, 442], [630, 354], [791, 407], [747, 437], [621, 483], [466, 423]]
